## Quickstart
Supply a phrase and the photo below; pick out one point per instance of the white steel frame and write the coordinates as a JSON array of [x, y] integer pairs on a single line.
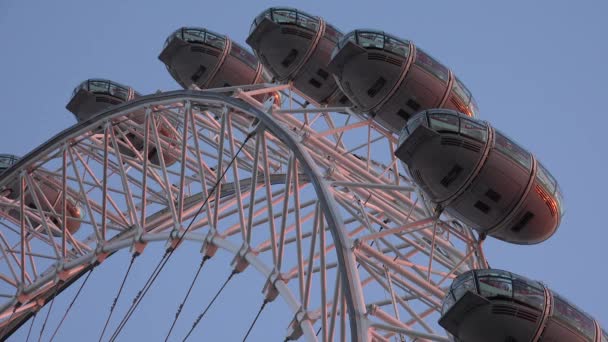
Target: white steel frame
[[308, 170]]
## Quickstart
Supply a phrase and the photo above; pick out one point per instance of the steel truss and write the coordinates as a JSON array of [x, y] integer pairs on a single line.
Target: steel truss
[[315, 202]]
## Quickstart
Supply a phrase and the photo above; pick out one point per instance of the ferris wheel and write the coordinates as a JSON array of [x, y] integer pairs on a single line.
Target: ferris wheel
[[295, 174]]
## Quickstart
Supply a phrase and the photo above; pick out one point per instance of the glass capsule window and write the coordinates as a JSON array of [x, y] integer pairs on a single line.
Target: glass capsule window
[[374, 40], [509, 148], [98, 86], [281, 16], [474, 129], [462, 93], [349, 37], [428, 63], [560, 200], [442, 122], [545, 178], [495, 287], [604, 336], [493, 272], [377, 40], [291, 17], [572, 316], [397, 46], [493, 283], [464, 284], [528, 291], [416, 121], [448, 302], [193, 36], [307, 21], [405, 132], [118, 91], [199, 36], [474, 110], [215, 40], [105, 87], [412, 124]]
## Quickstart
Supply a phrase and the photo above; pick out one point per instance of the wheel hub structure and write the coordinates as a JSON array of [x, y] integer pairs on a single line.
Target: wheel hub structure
[[310, 197]]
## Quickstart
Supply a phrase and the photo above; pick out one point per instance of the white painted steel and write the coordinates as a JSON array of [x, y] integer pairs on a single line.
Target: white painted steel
[[302, 173]]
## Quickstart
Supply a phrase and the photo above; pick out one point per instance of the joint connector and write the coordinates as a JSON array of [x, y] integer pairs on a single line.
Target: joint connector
[[240, 263], [270, 290], [209, 248]]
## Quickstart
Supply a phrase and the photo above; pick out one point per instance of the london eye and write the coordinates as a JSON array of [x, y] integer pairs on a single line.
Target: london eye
[[350, 174]]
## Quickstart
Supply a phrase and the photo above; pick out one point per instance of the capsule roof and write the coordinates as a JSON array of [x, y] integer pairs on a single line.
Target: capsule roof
[[104, 86], [7, 160], [287, 15]]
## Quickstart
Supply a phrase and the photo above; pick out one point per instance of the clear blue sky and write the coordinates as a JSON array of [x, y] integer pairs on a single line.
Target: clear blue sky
[[537, 68]]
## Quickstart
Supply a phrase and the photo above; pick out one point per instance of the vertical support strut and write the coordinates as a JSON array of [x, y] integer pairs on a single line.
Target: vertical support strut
[[64, 195], [104, 200]]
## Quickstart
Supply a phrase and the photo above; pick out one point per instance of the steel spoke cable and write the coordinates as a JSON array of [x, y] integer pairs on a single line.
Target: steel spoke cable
[[29, 331], [71, 304], [181, 305], [198, 319], [138, 297], [122, 285], [266, 301], [169, 251], [48, 313]]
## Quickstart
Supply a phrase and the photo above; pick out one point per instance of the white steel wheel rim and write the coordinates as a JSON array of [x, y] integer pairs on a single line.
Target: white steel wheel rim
[[350, 189]]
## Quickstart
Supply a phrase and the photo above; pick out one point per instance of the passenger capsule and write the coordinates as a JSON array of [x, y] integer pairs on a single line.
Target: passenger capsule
[[494, 305], [295, 46], [197, 56], [480, 176], [392, 79], [95, 95], [48, 196]]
